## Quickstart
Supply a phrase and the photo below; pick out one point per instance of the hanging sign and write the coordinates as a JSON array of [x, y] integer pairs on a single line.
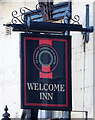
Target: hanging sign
[[45, 71]]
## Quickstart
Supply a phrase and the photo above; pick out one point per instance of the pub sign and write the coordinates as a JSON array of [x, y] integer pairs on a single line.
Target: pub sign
[[45, 72]]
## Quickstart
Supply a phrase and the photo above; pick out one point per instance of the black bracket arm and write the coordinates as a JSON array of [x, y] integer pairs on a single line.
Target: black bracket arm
[[49, 27], [48, 10], [88, 28]]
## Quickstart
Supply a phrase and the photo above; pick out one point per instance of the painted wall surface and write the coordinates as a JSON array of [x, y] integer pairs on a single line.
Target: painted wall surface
[[82, 63], [83, 55], [93, 61], [10, 60]]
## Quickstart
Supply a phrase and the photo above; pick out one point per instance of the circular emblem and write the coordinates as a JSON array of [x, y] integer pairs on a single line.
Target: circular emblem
[[46, 56]]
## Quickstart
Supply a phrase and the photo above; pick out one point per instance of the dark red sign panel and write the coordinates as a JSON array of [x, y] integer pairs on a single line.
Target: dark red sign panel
[[46, 71]]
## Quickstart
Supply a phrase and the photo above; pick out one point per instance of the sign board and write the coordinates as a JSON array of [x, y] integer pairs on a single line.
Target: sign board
[[45, 72]]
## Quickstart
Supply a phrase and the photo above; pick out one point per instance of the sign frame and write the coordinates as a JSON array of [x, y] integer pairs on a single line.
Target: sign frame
[[45, 106]]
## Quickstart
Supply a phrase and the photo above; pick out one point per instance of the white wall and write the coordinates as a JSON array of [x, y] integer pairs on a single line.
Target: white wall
[[94, 60], [10, 61], [82, 64]]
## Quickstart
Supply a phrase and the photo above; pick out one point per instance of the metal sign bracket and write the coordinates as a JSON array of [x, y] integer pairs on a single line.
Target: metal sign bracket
[[86, 34], [39, 20]]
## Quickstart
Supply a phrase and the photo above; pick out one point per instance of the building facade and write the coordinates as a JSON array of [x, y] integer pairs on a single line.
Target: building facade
[[83, 55]]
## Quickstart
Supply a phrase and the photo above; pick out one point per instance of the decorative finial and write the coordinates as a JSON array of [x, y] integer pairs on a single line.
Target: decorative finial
[[6, 115]]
